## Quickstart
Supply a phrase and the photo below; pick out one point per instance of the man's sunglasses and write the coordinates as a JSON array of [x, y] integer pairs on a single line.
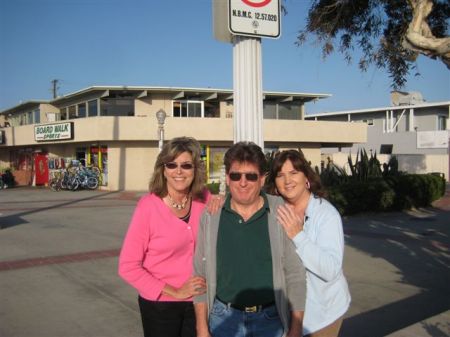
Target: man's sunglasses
[[184, 166], [236, 176]]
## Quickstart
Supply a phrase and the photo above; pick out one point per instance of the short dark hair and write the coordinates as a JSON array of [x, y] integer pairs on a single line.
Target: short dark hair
[[245, 152]]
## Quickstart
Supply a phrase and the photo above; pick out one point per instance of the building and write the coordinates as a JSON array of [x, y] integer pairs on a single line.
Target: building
[[416, 132], [116, 129]]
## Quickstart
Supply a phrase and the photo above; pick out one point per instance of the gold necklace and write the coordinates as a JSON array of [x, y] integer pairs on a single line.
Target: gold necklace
[[177, 205]]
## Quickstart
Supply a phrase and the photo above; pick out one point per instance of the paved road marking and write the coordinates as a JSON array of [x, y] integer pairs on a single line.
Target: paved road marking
[[45, 261]]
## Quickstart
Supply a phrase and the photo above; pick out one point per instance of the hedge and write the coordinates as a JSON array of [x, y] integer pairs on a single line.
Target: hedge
[[386, 194]]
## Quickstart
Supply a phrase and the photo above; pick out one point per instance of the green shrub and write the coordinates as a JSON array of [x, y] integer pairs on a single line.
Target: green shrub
[[417, 190], [369, 188], [438, 182], [213, 187], [362, 196], [338, 200]]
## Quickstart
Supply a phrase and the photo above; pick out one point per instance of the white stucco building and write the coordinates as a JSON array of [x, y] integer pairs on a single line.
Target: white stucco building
[[116, 129]]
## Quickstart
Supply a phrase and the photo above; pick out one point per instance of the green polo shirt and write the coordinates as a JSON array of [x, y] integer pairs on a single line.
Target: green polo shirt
[[244, 259]]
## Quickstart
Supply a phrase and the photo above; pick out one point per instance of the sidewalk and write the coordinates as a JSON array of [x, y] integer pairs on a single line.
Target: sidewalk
[[58, 268], [400, 283], [435, 326]]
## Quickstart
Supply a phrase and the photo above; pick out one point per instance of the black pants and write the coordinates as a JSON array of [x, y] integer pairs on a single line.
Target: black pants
[[167, 319]]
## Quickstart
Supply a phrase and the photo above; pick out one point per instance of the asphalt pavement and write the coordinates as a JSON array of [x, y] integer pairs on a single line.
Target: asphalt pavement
[[59, 251]]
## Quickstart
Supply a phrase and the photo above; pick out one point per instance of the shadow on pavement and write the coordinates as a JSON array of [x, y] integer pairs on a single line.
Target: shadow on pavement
[[437, 330], [418, 246], [17, 219]]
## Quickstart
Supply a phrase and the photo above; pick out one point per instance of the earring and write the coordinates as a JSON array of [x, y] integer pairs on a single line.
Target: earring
[[308, 185]]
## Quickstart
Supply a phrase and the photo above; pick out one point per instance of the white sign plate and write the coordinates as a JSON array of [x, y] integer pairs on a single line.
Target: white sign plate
[[260, 18], [48, 132], [433, 139]]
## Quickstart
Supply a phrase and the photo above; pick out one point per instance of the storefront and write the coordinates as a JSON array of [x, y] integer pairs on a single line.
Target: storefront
[[98, 156], [94, 127]]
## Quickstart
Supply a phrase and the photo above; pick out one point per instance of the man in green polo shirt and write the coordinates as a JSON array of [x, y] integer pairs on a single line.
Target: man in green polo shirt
[[255, 281]]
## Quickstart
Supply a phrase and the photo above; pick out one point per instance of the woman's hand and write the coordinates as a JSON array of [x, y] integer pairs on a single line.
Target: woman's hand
[[196, 285], [215, 203], [291, 222]]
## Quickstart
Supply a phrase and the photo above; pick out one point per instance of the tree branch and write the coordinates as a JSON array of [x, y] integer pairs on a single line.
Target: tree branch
[[419, 37]]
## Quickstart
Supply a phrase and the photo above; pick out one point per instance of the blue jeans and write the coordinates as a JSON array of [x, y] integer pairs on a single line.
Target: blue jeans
[[228, 322]]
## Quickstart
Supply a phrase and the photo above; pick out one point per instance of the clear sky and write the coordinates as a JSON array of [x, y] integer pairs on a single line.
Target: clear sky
[[83, 43]]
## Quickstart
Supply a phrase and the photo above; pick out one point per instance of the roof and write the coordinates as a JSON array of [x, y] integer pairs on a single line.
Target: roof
[[23, 106], [381, 109], [178, 93]]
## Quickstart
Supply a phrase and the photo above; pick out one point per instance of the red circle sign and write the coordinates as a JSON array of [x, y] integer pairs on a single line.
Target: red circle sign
[[254, 3]]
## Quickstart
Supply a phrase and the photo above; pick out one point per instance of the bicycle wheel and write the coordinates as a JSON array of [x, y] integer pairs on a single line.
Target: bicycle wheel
[[55, 185], [92, 183], [96, 170], [73, 184]]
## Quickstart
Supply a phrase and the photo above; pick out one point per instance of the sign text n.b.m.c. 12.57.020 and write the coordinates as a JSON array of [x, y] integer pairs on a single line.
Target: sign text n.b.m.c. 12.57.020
[[257, 18]]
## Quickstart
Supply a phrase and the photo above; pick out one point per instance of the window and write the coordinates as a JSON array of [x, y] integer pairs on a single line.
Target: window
[[288, 111], [23, 119], [368, 121], [81, 110], [118, 106], [269, 110], [81, 155], [188, 109], [37, 116], [92, 108], [63, 113], [72, 112], [386, 148], [272, 110], [211, 110], [442, 123], [194, 109]]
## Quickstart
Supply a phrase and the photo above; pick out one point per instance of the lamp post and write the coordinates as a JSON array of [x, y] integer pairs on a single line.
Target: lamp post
[[161, 117]]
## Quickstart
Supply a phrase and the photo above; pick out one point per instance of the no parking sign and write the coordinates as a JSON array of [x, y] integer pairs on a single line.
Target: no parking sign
[[254, 18]]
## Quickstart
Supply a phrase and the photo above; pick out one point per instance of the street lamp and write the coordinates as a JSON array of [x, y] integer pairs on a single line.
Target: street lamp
[[161, 117]]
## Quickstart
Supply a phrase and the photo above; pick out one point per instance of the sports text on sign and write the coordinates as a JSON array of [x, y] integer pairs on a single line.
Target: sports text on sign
[[254, 18], [53, 131]]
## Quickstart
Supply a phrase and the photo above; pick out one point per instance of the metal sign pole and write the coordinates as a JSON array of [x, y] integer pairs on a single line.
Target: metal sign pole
[[243, 23]]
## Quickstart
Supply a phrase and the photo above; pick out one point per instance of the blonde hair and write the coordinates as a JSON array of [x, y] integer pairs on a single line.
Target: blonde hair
[[170, 151]]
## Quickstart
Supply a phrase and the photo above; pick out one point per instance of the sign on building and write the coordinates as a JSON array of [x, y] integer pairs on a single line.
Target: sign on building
[[433, 139], [258, 18], [50, 132]]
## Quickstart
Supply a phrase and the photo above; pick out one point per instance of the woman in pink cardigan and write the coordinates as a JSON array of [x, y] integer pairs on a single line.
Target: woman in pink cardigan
[[157, 252]]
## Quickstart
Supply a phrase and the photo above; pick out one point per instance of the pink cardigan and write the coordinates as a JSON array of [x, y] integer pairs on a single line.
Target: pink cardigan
[[158, 248]]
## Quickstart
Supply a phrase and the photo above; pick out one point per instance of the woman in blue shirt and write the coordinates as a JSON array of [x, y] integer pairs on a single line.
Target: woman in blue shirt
[[315, 227]]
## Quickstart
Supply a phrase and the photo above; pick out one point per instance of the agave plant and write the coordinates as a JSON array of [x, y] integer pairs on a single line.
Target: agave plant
[[364, 167], [333, 175], [391, 167]]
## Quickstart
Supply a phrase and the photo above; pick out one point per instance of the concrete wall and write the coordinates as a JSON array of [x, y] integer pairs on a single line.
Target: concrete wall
[[424, 164], [131, 165], [205, 129], [45, 110], [132, 141]]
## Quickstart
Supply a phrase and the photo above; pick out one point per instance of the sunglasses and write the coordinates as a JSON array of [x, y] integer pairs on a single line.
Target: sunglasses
[[184, 166], [236, 176]]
